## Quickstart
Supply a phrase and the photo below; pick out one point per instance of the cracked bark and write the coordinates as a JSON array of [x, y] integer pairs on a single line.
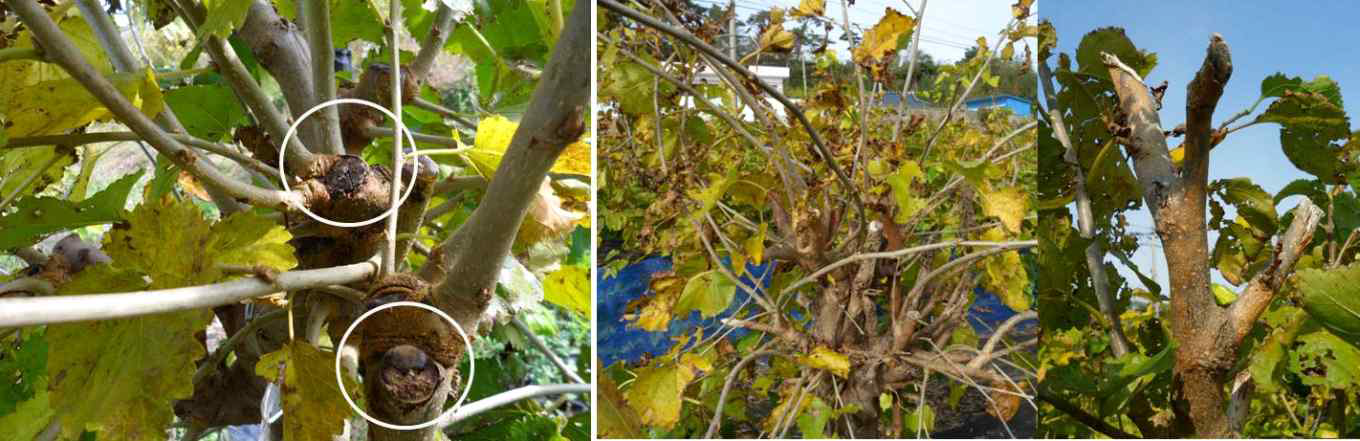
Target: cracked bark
[[1177, 201]]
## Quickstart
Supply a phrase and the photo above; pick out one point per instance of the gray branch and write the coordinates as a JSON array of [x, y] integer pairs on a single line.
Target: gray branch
[[63, 309], [59, 49]]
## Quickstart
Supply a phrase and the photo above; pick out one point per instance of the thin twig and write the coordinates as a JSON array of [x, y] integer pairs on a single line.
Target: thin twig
[[59, 154], [716, 422], [709, 50], [214, 362], [63, 309], [911, 69], [537, 343], [477, 407], [904, 252], [62, 51], [317, 27]]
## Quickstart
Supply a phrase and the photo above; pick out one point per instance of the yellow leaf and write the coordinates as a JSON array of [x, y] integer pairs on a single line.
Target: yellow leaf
[[656, 313], [575, 159], [547, 218], [494, 134], [493, 137], [701, 363], [809, 8], [569, 287], [1006, 276], [755, 245], [823, 357], [775, 37], [57, 106], [658, 392], [881, 40], [788, 393], [311, 398], [1178, 155], [1007, 204]]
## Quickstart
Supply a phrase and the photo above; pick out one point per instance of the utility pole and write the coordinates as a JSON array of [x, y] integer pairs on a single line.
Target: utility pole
[[732, 31]]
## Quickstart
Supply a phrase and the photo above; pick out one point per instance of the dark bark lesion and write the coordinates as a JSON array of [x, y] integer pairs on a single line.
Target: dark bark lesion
[[1177, 200]]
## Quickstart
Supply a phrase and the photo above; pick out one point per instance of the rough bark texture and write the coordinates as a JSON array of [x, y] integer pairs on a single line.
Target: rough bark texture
[[467, 264], [282, 50], [1177, 200]]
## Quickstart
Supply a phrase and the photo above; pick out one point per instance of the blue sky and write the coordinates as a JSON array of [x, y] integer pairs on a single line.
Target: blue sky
[[1301, 39]]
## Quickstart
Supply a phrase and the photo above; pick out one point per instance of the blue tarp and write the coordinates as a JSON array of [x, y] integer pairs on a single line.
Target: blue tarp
[[619, 341]]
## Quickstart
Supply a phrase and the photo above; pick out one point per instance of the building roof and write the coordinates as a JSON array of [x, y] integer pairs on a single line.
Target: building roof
[[997, 98]]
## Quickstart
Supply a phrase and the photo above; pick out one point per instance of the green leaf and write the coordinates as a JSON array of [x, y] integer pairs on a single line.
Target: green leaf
[[657, 393], [223, 17], [1265, 365], [120, 377], [1332, 297], [1339, 358], [356, 20], [1278, 85], [921, 420], [89, 157], [209, 111], [519, 427], [37, 217], [1114, 41], [709, 292], [1312, 188], [569, 287], [30, 417], [311, 398], [1141, 366], [20, 173], [1252, 202], [813, 422], [23, 371], [171, 242], [1310, 122], [578, 427], [824, 358], [900, 182], [616, 420]]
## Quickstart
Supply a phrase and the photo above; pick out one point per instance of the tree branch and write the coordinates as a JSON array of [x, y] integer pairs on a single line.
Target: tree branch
[[797, 112], [63, 309], [433, 43], [1082, 416], [477, 407], [1203, 93], [283, 51], [1146, 142], [469, 261], [318, 30], [907, 251], [1095, 252], [214, 361], [445, 111], [542, 347], [1262, 288], [123, 61], [252, 95], [76, 139], [716, 423], [59, 48], [1001, 331]]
